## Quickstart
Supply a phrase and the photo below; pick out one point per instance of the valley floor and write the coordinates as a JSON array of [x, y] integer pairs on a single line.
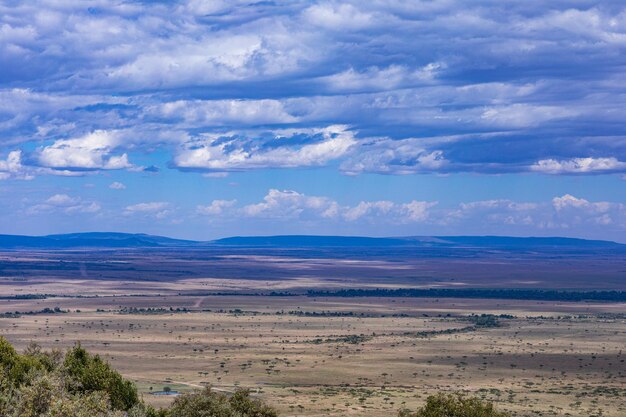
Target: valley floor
[[337, 357]]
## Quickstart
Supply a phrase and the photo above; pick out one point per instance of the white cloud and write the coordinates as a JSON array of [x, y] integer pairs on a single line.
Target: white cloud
[[199, 57], [224, 112], [339, 16], [117, 186], [578, 165], [381, 79], [157, 209], [569, 201], [592, 24], [524, 115], [498, 205], [62, 200], [66, 204], [572, 211], [417, 211], [388, 156], [216, 207], [291, 204], [91, 151], [12, 167], [562, 212], [172, 73], [381, 208], [284, 149]]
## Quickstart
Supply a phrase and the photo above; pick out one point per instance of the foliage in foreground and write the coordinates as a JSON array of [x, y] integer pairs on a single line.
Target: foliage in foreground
[[50, 384], [208, 403], [78, 384], [454, 405]]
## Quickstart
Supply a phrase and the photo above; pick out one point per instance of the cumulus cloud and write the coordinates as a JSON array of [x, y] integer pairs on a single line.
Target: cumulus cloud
[[414, 211], [15, 167], [116, 185], [524, 115], [215, 208], [289, 204], [66, 204], [92, 151], [381, 79], [157, 209], [579, 166], [568, 201], [199, 80], [12, 167], [572, 211], [387, 156], [282, 149], [224, 112], [562, 213], [339, 16]]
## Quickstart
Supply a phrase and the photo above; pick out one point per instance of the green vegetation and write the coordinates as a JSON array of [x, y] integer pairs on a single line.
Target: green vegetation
[[507, 294], [15, 314], [453, 405], [88, 373], [207, 403], [49, 384], [26, 297], [78, 384], [351, 338], [484, 320]]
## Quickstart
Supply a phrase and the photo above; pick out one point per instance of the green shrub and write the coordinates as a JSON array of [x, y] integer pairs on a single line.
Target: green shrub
[[14, 367], [454, 405], [46, 384], [89, 373], [207, 403]]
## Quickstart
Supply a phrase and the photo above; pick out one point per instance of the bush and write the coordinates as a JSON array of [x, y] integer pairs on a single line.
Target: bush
[[454, 405], [46, 396], [38, 383], [42, 384], [14, 367], [207, 403], [89, 373]]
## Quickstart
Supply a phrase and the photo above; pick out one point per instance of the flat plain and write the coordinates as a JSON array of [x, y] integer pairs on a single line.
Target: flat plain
[[157, 319]]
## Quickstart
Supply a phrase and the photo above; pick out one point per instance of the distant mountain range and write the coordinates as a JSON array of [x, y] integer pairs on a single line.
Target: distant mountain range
[[128, 240]]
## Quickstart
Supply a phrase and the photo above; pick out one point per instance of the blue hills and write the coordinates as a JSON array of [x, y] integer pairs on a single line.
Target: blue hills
[[130, 240]]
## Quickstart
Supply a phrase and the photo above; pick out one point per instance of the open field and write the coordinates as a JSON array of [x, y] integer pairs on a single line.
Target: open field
[[193, 270], [187, 318], [350, 356]]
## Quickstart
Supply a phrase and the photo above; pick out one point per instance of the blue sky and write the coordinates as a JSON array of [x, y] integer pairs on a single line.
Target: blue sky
[[202, 119]]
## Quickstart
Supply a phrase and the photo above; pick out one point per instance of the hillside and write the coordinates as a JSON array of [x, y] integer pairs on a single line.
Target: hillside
[[129, 240]]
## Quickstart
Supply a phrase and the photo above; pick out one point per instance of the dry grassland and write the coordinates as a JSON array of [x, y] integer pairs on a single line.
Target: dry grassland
[[391, 353]]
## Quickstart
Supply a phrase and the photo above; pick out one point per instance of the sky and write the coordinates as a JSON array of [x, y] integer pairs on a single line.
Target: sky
[[202, 119]]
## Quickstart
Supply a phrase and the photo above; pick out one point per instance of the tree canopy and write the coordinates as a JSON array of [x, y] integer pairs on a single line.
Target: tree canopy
[[454, 405]]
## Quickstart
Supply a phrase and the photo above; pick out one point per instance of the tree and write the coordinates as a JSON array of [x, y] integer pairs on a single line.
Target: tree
[[454, 405], [89, 373], [207, 403], [15, 367]]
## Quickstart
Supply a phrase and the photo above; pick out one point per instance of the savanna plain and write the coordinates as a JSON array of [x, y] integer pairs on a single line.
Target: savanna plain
[[229, 318]]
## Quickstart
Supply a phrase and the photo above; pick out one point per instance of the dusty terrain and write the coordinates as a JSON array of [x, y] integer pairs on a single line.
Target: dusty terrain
[[350, 356], [157, 317], [124, 271]]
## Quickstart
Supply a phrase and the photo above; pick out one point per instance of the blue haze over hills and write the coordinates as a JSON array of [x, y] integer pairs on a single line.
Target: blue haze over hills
[[127, 240]]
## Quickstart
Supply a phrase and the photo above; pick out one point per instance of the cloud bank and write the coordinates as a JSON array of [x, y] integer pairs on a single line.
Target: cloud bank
[[492, 88]]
